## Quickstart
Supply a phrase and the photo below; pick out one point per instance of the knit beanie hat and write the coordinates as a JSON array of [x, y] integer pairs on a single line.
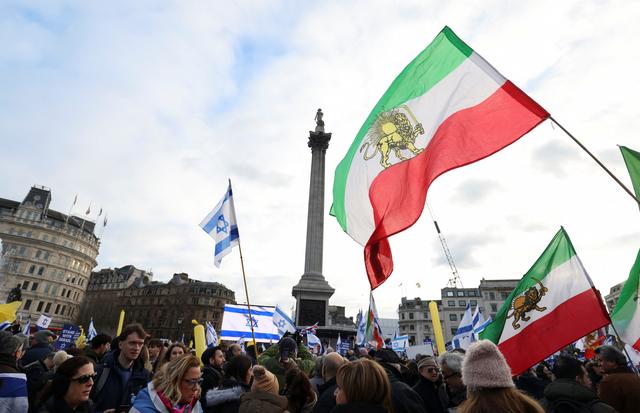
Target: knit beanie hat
[[484, 366], [427, 362], [264, 380]]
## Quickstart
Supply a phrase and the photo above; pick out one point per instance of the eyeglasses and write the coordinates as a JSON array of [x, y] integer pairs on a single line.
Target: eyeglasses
[[432, 369], [194, 383], [84, 379]]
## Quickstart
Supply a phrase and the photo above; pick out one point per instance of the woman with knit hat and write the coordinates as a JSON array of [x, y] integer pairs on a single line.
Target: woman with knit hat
[[263, 397], [490, 388]]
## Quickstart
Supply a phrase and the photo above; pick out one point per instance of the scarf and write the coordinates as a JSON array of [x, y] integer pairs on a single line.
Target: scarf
[[185, 408]]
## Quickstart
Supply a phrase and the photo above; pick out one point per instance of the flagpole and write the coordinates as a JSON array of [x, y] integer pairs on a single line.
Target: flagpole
[[246, 291], [597, 160]]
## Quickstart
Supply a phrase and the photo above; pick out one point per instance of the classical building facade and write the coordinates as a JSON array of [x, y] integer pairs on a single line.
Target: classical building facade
[[415, 319], [48, 254], [612, 298], [164, 309]]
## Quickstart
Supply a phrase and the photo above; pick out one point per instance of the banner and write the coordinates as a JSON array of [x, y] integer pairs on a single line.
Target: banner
[[68, 337], [236, 323], [43, 321], [400, 343]]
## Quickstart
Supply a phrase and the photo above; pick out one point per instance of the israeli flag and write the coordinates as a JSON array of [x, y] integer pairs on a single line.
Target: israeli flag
[[91, 331], [479, 323], [463, 337], [211, 336], [221, 225], [400, 343], [236, 323], [362, 325], [27, 328], [313, 341], [282, 321]]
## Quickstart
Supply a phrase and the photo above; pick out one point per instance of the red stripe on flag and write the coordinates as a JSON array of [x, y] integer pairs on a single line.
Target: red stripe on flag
[[636, 345], [398, 193], [568, 322]]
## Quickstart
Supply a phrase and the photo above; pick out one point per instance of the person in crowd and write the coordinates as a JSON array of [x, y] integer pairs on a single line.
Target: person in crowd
[[60, 357], [98, 347], [487, 376], [213, 369], [174, 351], [285, 355], [13, 391], [74, 351], [68, 391], [403, 397], [40, 346], [543, 372], [595, 374], [234, 350], [620, 387], [264, 395], [530, 383], [155, 353], [351, 355], [327, 399], [454, 391], [316, 375], [571, 391], [237, 378], [122, 374], [299, 392], [38, 374], [362, 352], [429, 384], [174, 389], [362, 387], [410, 374]]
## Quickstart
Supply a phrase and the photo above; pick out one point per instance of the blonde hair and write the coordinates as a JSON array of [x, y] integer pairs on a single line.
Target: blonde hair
[[365, 381], [492, 400], [168, 379]]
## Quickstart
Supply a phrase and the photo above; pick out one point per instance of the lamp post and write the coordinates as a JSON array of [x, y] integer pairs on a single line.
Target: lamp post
[[180, 319]]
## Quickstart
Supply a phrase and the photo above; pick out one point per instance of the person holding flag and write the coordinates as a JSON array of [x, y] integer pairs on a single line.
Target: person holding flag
[[211, 336], [289, 352]]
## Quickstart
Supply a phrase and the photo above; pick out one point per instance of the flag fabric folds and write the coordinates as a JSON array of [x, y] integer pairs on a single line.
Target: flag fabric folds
[[91, 331], [373, 332], [632, 160], [8, 313], [554, 304], [210, 335], [222, 226], [626, 316], [448, 108], [479, 323], [464, 334], [362, 326], [27, 328], [236, 323], [283, 322]]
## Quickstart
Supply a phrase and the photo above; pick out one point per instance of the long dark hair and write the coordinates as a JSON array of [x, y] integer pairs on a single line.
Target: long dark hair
[[238, 367], [299, 390], [58, 386]]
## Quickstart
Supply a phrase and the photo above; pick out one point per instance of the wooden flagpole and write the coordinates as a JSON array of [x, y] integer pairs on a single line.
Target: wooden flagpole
[[597, 160]]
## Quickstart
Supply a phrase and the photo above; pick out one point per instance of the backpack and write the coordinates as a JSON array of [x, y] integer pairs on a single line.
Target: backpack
[[573, 406]]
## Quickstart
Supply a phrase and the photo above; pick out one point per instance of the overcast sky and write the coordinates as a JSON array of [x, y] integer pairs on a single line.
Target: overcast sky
[[146, 108]]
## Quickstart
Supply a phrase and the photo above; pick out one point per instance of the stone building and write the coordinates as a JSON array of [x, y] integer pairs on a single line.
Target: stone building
[[165, 310], [415, 319], [612, 298], [49, 254]]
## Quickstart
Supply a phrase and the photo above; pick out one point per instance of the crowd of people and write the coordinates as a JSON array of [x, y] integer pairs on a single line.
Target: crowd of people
[[133, 373]]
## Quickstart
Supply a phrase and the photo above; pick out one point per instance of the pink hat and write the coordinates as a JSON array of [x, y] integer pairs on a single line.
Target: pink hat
[[484, 366]]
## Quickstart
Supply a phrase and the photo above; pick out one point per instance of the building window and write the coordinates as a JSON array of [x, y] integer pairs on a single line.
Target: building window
[[449, 293], [473, 302], [494, 307], [453, 317], [57, 308], [410, 316], [64, 291], [460, 293], [32, 269], [34, 286], [402, 316], [504, 295], [454, 330], [492, 296], [64, 307], [40, 304], [41, 271], [54, 290], [462, 303], [27, 304], [25, 285], [472, 293], [411, 327], [47, 287], [38, 254], [451, 303], [47, 308]]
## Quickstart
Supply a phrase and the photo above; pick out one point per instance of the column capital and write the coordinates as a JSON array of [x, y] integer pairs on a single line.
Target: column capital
[[319, 140]]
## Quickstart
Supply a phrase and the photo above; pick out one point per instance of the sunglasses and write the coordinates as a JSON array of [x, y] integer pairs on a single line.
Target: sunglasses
[[84, 379], [195, 382], [432, 369]]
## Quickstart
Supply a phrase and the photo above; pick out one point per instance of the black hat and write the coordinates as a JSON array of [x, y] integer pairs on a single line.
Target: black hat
[[207, 354], [387, 356], [287, 347]]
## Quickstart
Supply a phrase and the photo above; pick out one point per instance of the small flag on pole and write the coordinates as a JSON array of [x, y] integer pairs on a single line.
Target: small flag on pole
[[75, 200], [362, 325], [104, 223], [283, 322], [91, 331], [211, 336], [27, 328], [221, 225], [88, 211]]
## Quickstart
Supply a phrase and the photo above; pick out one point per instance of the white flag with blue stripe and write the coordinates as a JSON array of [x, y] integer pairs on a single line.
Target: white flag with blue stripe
[[91, 331], [479, 323], [361, 337], [463, 337], [221, 225], [27, 328], [236, 323], [283, 322], [211, 336]]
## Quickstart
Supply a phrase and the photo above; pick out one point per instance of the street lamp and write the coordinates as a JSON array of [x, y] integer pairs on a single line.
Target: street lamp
[[180, 319]]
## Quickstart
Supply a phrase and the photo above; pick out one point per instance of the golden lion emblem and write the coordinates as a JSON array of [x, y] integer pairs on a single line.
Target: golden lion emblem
[[527, 302], [392, 131]]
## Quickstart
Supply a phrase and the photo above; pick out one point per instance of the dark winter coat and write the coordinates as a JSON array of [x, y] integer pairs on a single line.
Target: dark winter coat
[[226, 398], [35, 353], [53, 405], [621, 390], [567, 389], [37, 377], [430, 395], [115, 392], [327, 399], [358, 408], [92, 355], [211, 378], [531, 384], [403, 397], [270, 359], [262, 402]]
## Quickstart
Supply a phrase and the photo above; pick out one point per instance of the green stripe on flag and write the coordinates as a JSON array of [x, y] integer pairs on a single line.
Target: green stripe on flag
[[559, 251], [627, 302], [443, 55], [632, 160]]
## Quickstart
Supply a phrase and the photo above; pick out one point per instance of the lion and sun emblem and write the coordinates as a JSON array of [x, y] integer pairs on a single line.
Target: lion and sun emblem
[[392, 131], [526, 302]]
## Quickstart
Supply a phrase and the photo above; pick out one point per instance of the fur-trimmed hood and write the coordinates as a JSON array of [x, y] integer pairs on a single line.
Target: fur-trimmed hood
[[220, 396]]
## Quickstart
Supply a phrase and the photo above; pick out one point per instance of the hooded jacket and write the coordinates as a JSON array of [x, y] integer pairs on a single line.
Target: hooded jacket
[[261, 401], [327, 399], [403, 397], [621, 390], [226, 398], [148, 401], [568, 389]]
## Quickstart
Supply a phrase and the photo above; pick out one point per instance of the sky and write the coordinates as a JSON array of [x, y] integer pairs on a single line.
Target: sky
[[145, 109]]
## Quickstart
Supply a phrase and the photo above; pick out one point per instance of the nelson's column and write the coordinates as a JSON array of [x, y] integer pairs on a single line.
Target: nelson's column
[[312, 292]]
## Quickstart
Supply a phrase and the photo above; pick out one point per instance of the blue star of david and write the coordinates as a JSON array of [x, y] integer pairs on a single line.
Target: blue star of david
[[281, 324], [223, 225], [255, 322]]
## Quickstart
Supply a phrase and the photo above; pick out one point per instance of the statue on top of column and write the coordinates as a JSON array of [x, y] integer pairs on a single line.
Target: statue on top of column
[[319, 121]]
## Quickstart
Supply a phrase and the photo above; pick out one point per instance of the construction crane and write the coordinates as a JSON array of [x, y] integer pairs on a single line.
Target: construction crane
[[454, 280]]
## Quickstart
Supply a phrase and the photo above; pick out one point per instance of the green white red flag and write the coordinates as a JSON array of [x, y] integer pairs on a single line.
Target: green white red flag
[[626, 316], [448, 108], [373, 332], [554, 304]]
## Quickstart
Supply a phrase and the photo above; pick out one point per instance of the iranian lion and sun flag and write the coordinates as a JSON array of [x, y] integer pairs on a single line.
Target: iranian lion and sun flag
[[448, 108]]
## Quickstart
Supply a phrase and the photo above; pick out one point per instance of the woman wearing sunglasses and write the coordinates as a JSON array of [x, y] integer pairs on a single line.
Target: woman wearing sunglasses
[[68, 391], [174, 389], [429, 385]]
